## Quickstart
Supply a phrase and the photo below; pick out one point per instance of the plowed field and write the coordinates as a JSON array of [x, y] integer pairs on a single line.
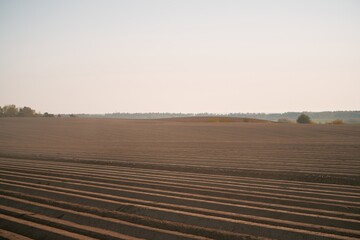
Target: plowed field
[[163, 179]]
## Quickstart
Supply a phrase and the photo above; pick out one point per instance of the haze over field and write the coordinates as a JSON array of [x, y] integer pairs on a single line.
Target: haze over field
[[180, 56], [179, 119]]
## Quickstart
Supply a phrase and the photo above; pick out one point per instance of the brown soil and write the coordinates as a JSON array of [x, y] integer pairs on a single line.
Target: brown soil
[[189, 178]]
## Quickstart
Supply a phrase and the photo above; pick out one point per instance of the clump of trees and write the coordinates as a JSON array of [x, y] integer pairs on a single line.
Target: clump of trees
[[303, 119], [9, 111], [13, 111]]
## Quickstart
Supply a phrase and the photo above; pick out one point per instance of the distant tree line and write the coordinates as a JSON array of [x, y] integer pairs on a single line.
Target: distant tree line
[[318, 117], [13, 111], [335, 117]]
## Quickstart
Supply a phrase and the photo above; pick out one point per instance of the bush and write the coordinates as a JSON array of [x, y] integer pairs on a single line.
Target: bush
[[303, 119], [337, 121], [46, 114], [284, 120]]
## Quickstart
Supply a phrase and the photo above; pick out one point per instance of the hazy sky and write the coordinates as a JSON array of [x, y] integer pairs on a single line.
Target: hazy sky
[[71, 56]]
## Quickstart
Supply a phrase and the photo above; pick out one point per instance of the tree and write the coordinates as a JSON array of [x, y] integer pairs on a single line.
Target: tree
[[46, 114], [10, 111], [303, 119], [26, 112], [1, 111]]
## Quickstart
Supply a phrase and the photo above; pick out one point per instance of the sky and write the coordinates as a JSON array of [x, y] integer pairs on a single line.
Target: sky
[[84, 56]]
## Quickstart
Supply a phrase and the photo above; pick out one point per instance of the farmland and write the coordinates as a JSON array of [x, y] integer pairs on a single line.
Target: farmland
[[73, 178]]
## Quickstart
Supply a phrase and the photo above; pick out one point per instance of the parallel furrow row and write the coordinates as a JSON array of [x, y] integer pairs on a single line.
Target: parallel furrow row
[[236, 208]]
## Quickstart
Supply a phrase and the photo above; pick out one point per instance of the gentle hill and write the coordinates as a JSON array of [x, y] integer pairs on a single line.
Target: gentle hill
[[215, 119], [318, 117]]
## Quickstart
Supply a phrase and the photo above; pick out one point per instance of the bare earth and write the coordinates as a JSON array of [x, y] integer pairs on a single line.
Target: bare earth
[[178, 179]]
